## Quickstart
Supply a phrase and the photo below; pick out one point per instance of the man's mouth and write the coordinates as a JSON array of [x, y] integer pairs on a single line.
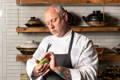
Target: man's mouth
[[53, 30]]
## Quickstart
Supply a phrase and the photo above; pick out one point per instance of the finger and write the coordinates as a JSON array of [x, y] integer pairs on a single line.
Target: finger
[[51, 55], [40, 66], [46, 72], [47, 54], [37, 71], [37, 61], [47, 67], [44, 67], [40, 73]]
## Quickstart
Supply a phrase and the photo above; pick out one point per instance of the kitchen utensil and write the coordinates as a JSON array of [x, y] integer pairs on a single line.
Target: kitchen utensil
[[95, 19], [29, 47], [34, 22]]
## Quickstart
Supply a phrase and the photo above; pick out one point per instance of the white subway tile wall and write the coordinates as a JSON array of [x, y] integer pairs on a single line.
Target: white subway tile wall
[[9, 38]]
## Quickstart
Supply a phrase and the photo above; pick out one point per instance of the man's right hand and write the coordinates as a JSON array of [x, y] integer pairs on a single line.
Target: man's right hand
[[41, 69]]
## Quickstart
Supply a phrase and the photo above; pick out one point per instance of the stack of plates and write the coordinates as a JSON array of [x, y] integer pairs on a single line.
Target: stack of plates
[[26, 51], [24, 76]]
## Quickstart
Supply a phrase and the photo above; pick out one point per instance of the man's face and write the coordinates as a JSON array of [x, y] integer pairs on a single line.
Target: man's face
[[55, 22]]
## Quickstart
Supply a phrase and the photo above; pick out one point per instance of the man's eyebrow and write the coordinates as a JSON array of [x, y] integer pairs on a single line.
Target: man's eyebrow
[[52, 18]]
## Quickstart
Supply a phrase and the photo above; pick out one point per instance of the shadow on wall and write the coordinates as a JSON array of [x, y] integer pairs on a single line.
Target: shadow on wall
[[73, 19], [111, 20]]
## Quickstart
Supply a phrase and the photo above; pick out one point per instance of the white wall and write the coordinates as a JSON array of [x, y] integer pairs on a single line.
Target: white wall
[[9, 38]]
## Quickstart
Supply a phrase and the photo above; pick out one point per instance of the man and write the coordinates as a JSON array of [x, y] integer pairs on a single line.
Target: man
[[71, 55]]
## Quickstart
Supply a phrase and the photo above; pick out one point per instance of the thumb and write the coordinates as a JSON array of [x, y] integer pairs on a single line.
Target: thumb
[[37, 61]]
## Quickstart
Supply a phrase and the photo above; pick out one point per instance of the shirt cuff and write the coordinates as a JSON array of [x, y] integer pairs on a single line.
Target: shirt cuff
[[29, 68], [75, 74]]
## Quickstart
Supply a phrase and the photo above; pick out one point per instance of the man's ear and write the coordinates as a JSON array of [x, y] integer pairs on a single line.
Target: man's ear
[[65, 16]]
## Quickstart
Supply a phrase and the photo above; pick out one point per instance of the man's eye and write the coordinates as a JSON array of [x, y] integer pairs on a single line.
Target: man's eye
[[54, 20]]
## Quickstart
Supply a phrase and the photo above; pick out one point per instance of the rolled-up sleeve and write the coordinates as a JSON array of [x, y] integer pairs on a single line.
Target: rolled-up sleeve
[[87, 63]]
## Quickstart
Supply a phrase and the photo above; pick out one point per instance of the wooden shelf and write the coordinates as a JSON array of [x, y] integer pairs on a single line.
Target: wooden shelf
[[39, 2], [77, 29], [104, 1], [109, 57], [21, 57]]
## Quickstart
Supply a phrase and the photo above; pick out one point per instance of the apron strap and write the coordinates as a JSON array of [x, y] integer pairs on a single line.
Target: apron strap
[[69, 51], [71, 42]]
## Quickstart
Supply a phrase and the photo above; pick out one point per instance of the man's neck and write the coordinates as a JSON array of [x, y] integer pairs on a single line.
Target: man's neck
[[66, 30]]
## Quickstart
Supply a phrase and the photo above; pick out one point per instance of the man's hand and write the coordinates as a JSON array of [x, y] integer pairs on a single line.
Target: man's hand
[[41, 69], [52, 61]]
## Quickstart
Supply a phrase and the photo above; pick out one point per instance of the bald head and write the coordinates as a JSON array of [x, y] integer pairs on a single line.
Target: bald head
[[59, 9]]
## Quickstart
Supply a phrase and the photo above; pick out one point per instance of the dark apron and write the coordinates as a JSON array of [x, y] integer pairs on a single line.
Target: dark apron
[[61, 60]]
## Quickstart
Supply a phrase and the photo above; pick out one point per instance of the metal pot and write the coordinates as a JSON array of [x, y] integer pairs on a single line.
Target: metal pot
[[33, 22], [95, 19]]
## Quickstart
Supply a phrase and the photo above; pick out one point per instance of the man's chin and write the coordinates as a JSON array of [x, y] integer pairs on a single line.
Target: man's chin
[[55, 34]]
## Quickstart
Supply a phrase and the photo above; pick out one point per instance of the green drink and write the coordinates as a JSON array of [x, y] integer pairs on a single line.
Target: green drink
[[43, 61]]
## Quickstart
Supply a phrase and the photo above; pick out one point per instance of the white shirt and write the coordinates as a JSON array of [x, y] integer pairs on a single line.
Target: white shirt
[[83, 55]]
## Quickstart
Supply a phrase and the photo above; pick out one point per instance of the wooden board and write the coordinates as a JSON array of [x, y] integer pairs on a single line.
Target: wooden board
[[109, 57], [104, 1], [38, 2], [112, 1], [35, 2], [96, 1], [21, 57], [77, 29]]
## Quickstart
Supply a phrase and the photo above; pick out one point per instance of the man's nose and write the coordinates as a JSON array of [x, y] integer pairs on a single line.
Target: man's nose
[[52, 26]]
